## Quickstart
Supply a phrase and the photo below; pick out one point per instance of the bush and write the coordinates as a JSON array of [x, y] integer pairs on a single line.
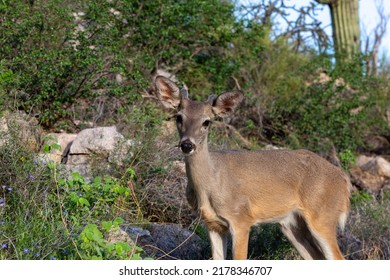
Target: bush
[[46, 217], [61, 52], [304, 112], [54, 63], [94, 246]]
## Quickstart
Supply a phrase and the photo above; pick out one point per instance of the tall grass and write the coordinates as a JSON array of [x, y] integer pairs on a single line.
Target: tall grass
[[46, 215]]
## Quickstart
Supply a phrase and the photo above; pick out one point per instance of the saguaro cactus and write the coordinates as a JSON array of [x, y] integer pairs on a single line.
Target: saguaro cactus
[[345, 25]]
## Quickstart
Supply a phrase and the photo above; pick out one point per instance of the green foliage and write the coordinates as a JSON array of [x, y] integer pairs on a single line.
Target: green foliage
[[347, 159], [43, 217], [339, 111], [29, 220], [327, 113], [54, 62], [360, 198], [90, 198], [93, 246], [64, 51], [269, 243]]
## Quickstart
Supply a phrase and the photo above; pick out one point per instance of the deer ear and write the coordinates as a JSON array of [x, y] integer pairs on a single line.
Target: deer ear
[[167, 92], [226, 103]]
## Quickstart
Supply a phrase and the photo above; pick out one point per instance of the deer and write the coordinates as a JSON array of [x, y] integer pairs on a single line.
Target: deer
[[233, 190]]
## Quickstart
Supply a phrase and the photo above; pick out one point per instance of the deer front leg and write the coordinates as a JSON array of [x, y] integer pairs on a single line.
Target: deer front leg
[[218, 242], [240, 238], [218, 230]]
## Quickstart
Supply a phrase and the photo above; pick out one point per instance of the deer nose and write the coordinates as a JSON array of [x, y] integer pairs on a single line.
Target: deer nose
[[187, 146]]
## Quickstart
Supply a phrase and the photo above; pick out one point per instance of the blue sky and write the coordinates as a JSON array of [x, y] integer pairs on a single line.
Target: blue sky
[[368, 15]]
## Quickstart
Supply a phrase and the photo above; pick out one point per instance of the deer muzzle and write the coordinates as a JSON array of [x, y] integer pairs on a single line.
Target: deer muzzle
[[187, 147]]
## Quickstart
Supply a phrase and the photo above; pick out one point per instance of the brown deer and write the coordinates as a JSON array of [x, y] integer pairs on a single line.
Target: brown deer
[[233, 190]]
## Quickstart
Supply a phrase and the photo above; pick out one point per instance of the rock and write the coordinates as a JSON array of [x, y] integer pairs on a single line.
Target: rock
[[136, 232], [119, 235], [362, 160], [169, 241], [81, 165], [105, 144], [382, 167], [121, 152], [101, 140], [375, 165], [25, 127], [371, 173], [65, 140], [272, 147], [339, 82], [366, 181], [378, 144], [324, 78]]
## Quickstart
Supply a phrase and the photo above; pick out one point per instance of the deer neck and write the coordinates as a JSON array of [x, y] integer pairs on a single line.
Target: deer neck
[[203, 183], [200, 168]]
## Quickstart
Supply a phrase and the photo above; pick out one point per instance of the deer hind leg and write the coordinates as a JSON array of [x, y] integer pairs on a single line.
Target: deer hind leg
[[328, 243], [296, 230], [324, 232]]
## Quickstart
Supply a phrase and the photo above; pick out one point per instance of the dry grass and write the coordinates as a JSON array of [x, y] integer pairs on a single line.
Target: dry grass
[[367, 234]]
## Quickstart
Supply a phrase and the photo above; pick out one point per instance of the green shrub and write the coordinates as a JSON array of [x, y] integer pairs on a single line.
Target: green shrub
[[338, 113], [94, 246], [82, 198], [57, 61], [45, 217]]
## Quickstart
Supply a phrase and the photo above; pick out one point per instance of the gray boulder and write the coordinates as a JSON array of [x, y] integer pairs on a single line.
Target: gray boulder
[[169, 242]]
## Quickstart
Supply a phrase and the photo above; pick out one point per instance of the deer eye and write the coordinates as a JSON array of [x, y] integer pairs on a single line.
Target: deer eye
[[179, 119], [206, 123]]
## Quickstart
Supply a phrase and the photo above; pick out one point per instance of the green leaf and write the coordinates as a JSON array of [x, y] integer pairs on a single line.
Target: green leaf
[[74, 197], [46, 148], [118, 249], [110, 247], [107, 225], [56, 147], [125, 247], [77, 177], [83, 202], [117, 221], [136, 257], [130, 172], [51, 165], [97, 180], [89, 235]]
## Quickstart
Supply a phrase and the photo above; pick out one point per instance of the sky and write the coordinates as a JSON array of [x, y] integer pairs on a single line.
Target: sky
[[368, 15]]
